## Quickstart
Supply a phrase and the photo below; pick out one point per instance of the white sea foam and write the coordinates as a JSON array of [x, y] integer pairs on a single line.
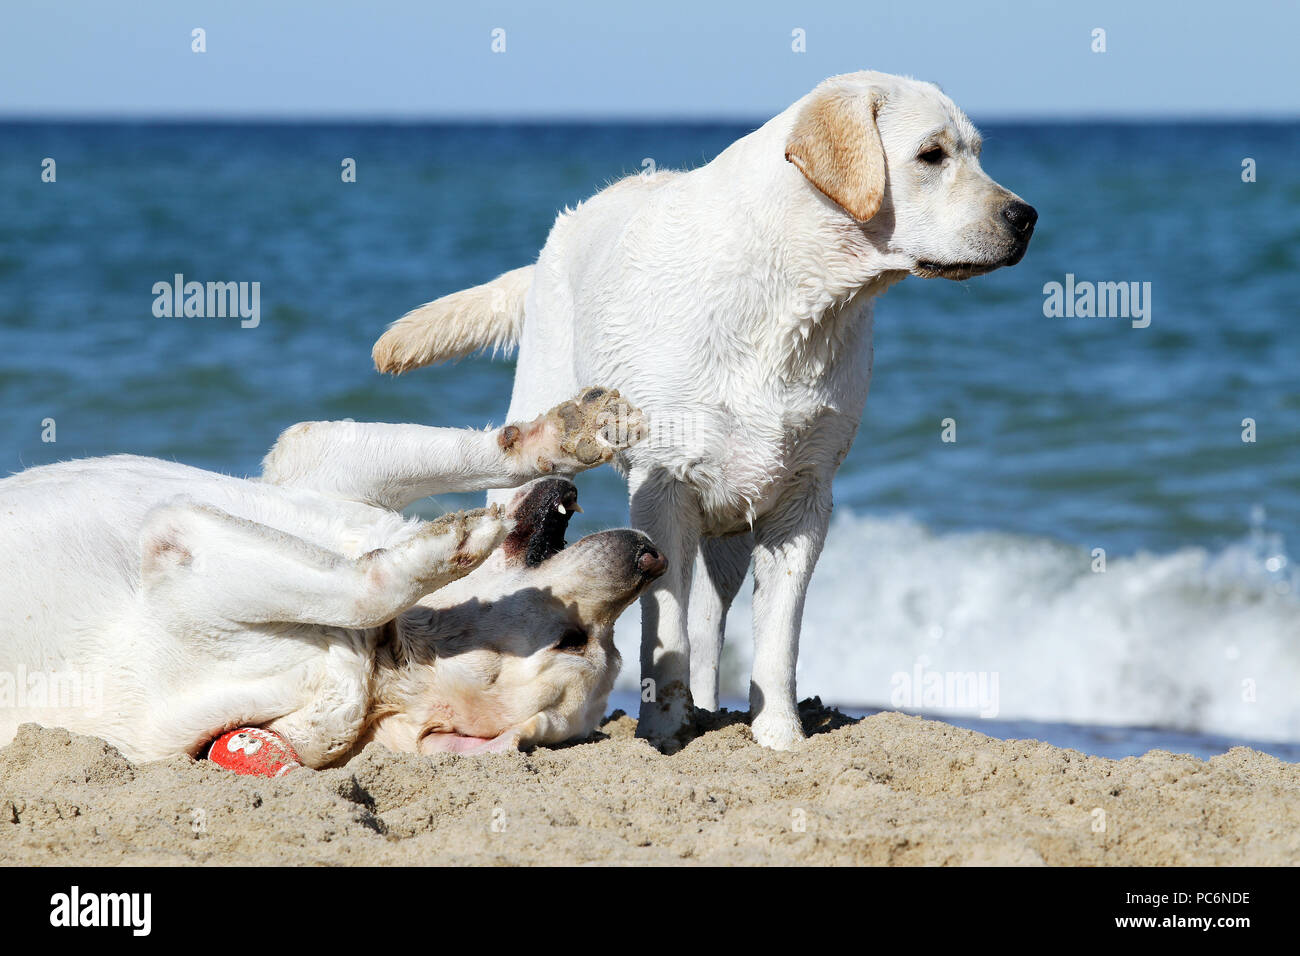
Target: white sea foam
[[1190, 639]]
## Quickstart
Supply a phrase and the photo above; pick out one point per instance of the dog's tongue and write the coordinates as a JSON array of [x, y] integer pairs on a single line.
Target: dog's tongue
[[450, 743], [459, 744]]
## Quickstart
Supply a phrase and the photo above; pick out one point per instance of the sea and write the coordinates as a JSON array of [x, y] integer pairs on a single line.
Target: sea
[[1075, 524]]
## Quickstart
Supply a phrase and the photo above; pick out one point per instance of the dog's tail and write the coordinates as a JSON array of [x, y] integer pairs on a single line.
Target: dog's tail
[[490, 315]]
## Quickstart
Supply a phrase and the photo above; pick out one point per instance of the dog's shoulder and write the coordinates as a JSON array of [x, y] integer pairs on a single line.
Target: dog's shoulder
[[622, 194]]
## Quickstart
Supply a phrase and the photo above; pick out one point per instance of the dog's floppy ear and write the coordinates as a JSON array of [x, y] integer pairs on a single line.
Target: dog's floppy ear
[[836, 145]]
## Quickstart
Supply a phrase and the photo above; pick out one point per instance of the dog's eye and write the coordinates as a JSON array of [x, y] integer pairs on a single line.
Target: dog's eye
[[933, 156], [574, 639]]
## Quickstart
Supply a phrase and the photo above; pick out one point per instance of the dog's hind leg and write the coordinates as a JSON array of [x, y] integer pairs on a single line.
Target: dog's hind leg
[[210, 579], [719, 571], [205, 566]]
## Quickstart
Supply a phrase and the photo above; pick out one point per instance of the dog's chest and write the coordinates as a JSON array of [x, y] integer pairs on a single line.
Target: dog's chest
[[743, 458], [747, 417]]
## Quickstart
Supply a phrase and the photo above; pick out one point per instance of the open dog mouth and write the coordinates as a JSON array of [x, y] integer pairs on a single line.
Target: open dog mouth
[[541, 521]]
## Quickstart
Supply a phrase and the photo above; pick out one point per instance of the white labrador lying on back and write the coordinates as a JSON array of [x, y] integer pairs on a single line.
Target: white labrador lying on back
[[305, 603], [734, 304]]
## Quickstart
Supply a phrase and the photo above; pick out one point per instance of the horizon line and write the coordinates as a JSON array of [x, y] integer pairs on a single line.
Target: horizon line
[[577, 119]]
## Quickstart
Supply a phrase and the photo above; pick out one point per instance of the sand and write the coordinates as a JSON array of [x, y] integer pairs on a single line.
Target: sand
[[890, 789]]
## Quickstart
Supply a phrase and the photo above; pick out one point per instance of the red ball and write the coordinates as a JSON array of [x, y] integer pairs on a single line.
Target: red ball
[[252, 750]]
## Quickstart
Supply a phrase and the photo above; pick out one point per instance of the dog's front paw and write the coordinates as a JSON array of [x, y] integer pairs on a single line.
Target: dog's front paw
[[578, 434], [450, 547], [481, 531], [777, 731]]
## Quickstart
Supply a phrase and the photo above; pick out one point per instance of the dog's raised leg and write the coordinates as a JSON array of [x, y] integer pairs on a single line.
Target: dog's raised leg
[[719, 571], [391, 466], [787, 542], [666, 510], [209, 565]]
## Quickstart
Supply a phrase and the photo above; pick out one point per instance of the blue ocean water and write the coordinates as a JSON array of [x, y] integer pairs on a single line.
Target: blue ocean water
[[969, 557]]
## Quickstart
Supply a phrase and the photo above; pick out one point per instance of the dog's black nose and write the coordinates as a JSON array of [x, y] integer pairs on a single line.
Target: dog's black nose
[[1021, 216], [650, 562]]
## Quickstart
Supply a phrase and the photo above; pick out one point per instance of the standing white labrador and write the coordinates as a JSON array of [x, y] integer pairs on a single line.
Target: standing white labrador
[[158, 605], [734, 304]]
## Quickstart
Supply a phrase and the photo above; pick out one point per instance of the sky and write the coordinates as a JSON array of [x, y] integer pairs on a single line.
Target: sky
[[663, 59]]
